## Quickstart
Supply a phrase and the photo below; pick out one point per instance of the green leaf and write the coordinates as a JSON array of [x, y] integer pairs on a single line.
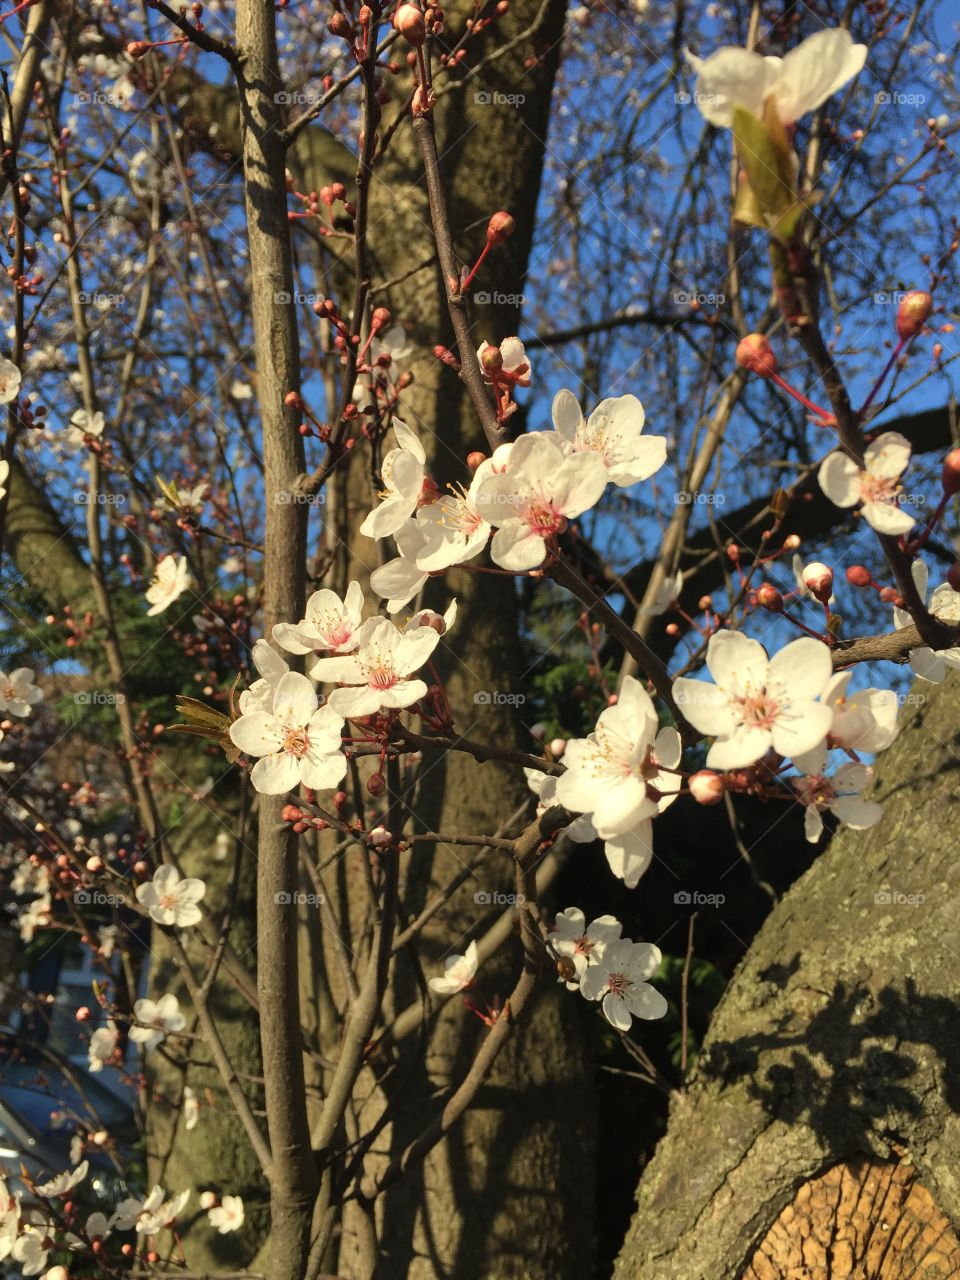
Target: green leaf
[[767, 165]]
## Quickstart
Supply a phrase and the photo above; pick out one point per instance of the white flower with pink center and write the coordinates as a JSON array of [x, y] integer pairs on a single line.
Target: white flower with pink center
[[328, 623], [839, 793], [619, 775], [944, 603], [155, 1020], [614, 432], [296, 742], [584, 944], [10, 379], [379, 669], [18, 692], [171, 899], [876, 485], [530, 503], [402, 474], [227, 1216], [756, 702], [619, 979]]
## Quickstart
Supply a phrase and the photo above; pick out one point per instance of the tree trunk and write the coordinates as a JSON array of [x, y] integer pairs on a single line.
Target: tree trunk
[[823, 1115]]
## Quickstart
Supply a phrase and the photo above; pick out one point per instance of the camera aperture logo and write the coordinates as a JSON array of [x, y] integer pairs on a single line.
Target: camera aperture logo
[[498, 698], [298, 899], [694, 898]]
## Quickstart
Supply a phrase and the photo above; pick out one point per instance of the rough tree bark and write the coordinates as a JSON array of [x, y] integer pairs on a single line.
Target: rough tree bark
[[824, 1114]]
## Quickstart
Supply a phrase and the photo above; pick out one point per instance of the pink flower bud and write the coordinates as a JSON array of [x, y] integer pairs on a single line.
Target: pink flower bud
[[408, 20], [859, 576], [380, 319], [340, 25], [376, 784], [913, 312], [475, 458], [207, 1199], [791, 542], [94, 864], [557, 747], [491, 361], [755, 354], [380, 836], [83, 1014], [768, 597], [434, 620], [500, 227], [706, 787], [951, 473]]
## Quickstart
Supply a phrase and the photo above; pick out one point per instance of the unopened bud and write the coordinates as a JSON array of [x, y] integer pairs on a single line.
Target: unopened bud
[[340, 25], [95, 864], [433, 620], [475, 459], [557, 747], [500, 227], [566, 969], [706, 787], [951, 473], [768, 597], [207, 1199], [859, 576], [913, 312], [791, 542], [380, 836], [408, 20], [491, 361], [380, 318], [137, 48], [755, 353], [376, 784], [818, 579], [889, 595], [447, 356]]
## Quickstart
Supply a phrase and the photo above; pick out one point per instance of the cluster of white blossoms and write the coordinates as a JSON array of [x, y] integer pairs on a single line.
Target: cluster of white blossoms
[[604, 966], [372, 663], [523, 495]]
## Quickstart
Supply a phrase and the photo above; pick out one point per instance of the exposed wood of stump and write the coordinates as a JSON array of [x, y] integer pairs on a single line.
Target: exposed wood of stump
[[863, 1220]]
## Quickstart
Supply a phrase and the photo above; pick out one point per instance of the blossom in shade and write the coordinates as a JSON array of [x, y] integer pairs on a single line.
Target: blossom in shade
[[329, 623], [402, 473], [863, 720], [533, 499], [756, 702], [875, 485], [618, 979], [297, 741], [170, 899], [379, 670], [64, 1183], [155, 1020], [614, 432], [18, 692], [227, 1215], [839, 793], [797, 83], [102, 1046], [171, 579], [458, 972], [584, 944]]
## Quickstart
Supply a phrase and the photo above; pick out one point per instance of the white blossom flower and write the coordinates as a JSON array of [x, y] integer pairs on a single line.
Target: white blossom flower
[[228, 1215], [798, 83], [944, 603], [296, 741], [544, 787], [155, 1020], [37, 915], [402, 473], [103, 1044], [865, 720], [619, 979], [64, 1183], [170, 900], [10, 379], [170, 580], [584, 944], [757, 702], [667, 592], [18, 693], [28, 1250], [379, 670], [614, 774], [839, 793], [393, 344], [82, 425], [532, 500], [876, 486], [9, 1222], [515, 363], [272, 669], [150, 1215], [328, 623], [458, 972], [240, 390], [191, 1108], [614, 431]]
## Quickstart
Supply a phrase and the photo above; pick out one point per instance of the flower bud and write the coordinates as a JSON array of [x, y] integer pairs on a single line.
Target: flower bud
[[83, 1014], [557, 747], [913, 312], [500, 227], [434, 620], [818, 579], [706, 787], [137, 48], [768, 597], [380, 836], [408, 20], [566, 969], [207, 1199], [340, 25], [491, 361], [889, 595], [376, 784], [380, 318], [859, 576], [95, 864], [951, 473], [755, 354], [791, 542], [475, 459]]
